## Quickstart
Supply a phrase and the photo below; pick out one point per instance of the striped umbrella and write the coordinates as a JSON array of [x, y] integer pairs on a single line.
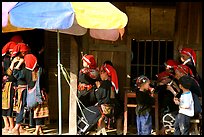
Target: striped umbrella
[[103, 20]]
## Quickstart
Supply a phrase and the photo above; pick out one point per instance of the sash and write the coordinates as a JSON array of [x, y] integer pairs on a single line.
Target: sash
[[6, 95], [17, 105]]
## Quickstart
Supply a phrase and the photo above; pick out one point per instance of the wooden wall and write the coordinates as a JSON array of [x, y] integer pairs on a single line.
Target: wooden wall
[[189, 29], [182, 23]]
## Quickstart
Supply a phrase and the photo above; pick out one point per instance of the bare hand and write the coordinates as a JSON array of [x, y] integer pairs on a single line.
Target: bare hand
[[16, 59], [98, 84], [169, 88], [176, 101]]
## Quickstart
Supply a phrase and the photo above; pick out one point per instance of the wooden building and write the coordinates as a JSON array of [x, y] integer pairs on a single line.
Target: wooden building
[[162, 27]]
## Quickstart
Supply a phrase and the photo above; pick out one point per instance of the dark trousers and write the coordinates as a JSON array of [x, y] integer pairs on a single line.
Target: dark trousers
[[182, 125], [20, 116], [144, 124]]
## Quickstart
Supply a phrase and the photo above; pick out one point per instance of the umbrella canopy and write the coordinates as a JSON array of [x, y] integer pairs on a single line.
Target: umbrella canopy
[[104, 20]]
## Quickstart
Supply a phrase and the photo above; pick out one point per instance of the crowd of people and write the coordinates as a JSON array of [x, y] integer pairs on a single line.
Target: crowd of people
[[20, 73], [98, 91], [179, 90]]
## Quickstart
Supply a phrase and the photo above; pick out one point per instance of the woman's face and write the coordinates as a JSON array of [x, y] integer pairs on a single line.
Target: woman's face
[[85, 64], [103, 75], [184, 57], [178, 74], [22, 54]]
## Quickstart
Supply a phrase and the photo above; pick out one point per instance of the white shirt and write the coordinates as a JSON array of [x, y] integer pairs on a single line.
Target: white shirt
[[186, 105]]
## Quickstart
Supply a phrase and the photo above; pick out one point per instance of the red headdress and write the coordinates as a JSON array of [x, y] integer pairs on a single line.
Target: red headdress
[[171, 63], [20, 47], [184, 69], [30, 61], [112, 73], [8, 47], [190, 52], [163, 75], [17, 39], [89, 59]]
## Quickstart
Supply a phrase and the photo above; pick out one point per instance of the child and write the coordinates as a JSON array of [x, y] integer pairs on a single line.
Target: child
[[145, 101], [186, 107]]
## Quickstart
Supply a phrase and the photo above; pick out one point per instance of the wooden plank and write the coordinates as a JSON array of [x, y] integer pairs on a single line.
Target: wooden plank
[[73, 88], [138, 20], [110, 47]]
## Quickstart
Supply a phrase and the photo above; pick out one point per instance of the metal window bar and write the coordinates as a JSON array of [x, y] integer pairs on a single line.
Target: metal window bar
[[138, 54], [140, 43], [158, 56], [145, 56], [151, 57]]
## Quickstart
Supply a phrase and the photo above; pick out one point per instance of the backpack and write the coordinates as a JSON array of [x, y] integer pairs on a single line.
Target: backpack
[[34, 96], [197, 105]]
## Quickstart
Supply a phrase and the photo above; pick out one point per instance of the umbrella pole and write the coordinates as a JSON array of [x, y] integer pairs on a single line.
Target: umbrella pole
[[59, 84]]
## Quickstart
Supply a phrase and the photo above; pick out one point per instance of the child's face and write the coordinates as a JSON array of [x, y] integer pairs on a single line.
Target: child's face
[[145, 85]]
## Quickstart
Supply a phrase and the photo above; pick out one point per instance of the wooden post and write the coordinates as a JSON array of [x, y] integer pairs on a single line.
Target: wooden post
[[73, 87]]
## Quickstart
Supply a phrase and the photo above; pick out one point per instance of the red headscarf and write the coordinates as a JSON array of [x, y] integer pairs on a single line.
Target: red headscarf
[[171, 63], [184, 69], [30, 61], [89, 59], [8, 47], [17, 39], [20, 47], [163, 75], [190, 52], [112, 73]]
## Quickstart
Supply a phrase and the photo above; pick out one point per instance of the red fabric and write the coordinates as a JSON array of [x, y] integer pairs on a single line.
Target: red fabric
[[89, 59], [8, 47], [112, 73], [190, 52], [184, 69], [16, 39], [171, 63], [30, 61], [163, 75], [20, 47]]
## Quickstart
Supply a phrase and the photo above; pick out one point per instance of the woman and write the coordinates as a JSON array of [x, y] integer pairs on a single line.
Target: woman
[[29, 75], [19, 51], [188, 58], [167, 107], [8, 89], [87, 78], [94, 114]]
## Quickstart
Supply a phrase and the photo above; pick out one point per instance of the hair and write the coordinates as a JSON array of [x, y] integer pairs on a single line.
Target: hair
[[185, 81], [108, 62], [141, 80]]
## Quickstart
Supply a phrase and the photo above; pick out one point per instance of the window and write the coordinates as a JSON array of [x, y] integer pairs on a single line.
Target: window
[[148, 57]]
